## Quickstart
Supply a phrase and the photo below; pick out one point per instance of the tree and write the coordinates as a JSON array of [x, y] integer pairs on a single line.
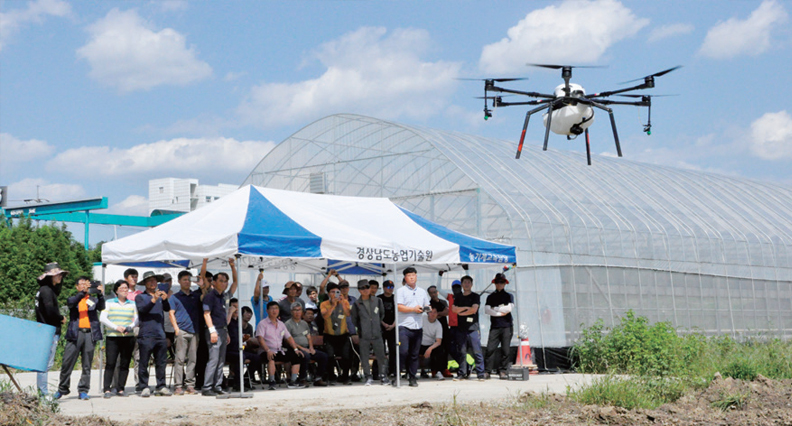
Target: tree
[[26, 248]]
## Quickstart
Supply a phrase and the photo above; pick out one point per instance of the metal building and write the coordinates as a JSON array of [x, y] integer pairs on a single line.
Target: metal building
[[696, 249]]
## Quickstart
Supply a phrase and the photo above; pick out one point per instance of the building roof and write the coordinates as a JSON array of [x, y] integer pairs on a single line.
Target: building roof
[[553, 206]]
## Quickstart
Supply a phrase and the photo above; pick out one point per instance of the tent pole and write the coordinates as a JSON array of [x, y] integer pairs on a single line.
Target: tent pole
[[101, 342], [398, 344], [240, 377]]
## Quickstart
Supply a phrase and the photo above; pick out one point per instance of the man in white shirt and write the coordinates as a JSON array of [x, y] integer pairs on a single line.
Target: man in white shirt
[[411, 301], [431, 345]]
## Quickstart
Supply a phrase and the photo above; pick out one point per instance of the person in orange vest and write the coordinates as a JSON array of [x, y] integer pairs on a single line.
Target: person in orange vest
[[82, 335]]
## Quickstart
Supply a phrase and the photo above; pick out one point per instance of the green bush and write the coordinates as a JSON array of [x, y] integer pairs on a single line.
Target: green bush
[[742, 369], [635, 347]]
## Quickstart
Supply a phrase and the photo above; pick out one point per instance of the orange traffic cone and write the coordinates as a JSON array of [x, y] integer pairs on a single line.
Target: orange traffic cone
[[525, 356]]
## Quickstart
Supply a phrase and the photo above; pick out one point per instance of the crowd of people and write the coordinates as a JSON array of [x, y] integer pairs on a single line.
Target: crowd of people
[[329, 339]]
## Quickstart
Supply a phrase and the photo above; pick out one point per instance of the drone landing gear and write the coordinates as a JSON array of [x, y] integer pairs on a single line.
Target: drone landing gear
[[588, 148], [525, 126], [613, 126]]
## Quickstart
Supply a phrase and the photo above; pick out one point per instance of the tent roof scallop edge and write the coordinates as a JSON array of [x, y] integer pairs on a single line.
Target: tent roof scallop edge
[[269, 224]]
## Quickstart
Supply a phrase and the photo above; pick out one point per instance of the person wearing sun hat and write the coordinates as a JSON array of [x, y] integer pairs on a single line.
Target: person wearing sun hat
[[48, 312], [499, 306]]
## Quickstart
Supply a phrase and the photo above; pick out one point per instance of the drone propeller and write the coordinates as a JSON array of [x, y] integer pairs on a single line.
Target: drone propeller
[[491, 97], [499, 80], [566, 71], [558, 67], [652, 76]]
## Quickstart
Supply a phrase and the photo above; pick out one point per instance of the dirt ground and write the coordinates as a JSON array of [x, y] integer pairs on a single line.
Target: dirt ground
[[760, 402]]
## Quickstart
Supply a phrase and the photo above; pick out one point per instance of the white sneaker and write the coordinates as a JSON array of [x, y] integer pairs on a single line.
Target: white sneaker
[[145, 393], [369, 381], [439, 375]]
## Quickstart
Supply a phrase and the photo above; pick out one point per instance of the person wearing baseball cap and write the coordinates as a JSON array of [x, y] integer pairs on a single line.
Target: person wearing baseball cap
[[389, 323], [367, 315], [260, 297], [335, 310], [499, 306], [466, 306], [48, 312], [456, 290]]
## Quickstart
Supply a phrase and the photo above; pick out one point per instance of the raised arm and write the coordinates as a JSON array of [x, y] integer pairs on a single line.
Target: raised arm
[[257, 290], [234, 277], [323, 284]]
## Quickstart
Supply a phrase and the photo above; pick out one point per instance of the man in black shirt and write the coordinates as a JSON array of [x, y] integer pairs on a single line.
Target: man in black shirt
[[47, 312], [389, 324], [499, 306], [151, 307], [249, 352], [216, 336], [468, 335]]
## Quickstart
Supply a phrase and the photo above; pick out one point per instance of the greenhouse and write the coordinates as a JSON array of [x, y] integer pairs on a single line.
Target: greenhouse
[[700, 250]]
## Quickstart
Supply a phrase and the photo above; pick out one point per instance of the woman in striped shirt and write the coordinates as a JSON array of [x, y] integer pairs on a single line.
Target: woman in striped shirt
[[119, 317]]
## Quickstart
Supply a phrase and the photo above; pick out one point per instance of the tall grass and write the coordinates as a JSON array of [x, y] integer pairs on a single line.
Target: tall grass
[[660, 365]]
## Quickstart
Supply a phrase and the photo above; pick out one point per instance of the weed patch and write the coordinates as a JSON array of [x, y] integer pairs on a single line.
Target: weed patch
[[731, 401], [630, 392]]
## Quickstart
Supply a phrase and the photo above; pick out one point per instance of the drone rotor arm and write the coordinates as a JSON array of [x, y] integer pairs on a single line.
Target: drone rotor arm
[[520, 92], [610, 102], [615, 92], [505, 104]]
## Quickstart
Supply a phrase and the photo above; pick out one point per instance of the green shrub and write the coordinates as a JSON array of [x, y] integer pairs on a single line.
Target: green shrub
[[635, 347], [638, 348], [742, 369]]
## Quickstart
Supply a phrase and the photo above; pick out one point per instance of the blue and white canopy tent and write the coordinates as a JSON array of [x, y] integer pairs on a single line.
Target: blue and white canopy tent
[[273, 229], [263, 225]]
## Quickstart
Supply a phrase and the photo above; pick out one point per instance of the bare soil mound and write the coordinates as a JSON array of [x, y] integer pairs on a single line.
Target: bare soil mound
[[24, 409]]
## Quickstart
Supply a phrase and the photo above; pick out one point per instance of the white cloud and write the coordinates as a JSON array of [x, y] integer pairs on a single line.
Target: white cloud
[[125, 52], [31, 189], [367, 71], [13, 21], [751, 36], [134, 205], [771, 136], [668, 31], [14, 151], [165, 157], [573, 31]]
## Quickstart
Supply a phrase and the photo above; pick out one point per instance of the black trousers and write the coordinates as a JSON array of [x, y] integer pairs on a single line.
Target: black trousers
[[409, 349], [502, 337], [341, 347], [201, 357], [389, 337], [119, 350], [157, 347], [84, 348], [438, 360], [233, 365]]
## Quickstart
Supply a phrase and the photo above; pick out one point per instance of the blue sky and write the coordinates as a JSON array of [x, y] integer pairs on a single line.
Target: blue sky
[[96, 98]]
